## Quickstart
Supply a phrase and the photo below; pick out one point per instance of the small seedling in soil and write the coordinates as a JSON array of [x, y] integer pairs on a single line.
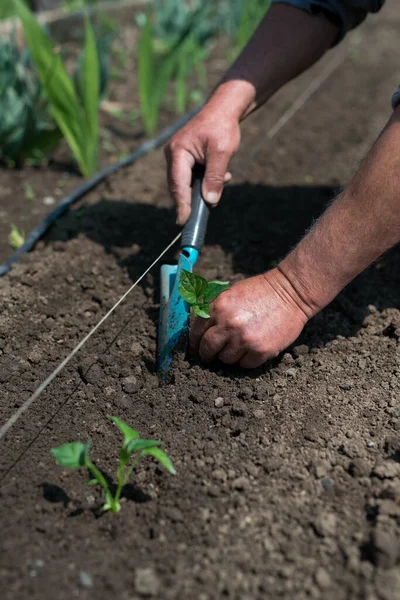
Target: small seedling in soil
[[198, 292], [29, 192], [16, 237], [76, 455]]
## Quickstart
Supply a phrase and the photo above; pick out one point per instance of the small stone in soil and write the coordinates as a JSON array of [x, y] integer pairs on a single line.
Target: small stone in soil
[[85, 579], [238, 408], [259, 414], [136, 349], [385, 548], [359, 468], [325, 524], [291, 372], [146, 581], [219, 475], [322, 578], [246, 393], [219, 402], [300, 350], [327, 483], [241, 483], [129, 385], [35, 356], [345, 386], [174, 514]]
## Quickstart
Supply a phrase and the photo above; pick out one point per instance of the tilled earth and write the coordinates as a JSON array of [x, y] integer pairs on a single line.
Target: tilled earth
[[288, 477]]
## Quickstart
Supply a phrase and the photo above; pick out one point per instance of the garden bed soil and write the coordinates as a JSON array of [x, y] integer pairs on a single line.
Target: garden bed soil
[[288, 477]]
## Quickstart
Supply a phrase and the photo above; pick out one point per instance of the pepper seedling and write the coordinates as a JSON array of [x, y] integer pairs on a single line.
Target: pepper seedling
[[76, 455], [198, 292]]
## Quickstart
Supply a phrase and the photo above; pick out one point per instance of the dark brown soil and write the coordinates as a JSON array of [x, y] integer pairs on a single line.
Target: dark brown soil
[[288, 487]]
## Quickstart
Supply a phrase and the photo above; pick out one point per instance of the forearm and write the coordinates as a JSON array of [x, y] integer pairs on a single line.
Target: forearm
[[361, 225], [286, 43]]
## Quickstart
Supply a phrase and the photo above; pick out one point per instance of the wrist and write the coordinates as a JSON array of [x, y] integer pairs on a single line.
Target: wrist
[[284, 286], [234, 99], [313, 287]]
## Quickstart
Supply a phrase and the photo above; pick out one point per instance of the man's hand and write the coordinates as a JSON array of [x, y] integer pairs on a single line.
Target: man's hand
[[210, 139], [252, 322]]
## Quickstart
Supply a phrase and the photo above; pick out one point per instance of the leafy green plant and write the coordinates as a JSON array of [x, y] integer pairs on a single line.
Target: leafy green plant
[[191, 57], [103, 43], [29, 192], [198, 292], [76, 455], [163, 60], [154, 73], [26, 130], [16, 237], [77, 120]]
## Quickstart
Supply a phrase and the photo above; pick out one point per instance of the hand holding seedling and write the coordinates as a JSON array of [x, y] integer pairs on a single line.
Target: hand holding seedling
[[76, 455], [251, 322], [198, 292]]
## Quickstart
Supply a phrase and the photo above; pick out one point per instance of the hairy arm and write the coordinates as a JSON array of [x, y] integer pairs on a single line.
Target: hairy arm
[[361, 225]]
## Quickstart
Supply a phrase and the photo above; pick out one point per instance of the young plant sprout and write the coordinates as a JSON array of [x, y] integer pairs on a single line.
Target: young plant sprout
[[76, 455], [16, 237], [198, 292]]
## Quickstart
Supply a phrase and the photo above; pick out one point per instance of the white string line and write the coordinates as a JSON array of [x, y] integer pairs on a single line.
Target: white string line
[[14, 418], [296, 105], [281, 122]]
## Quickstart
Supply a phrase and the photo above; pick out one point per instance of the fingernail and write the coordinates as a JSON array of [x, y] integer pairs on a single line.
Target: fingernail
[[212, 197]]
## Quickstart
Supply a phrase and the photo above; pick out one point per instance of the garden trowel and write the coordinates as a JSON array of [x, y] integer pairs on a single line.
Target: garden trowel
[[174, 311]]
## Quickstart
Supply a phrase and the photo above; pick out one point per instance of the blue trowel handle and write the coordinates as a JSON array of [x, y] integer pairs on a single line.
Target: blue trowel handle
[[194, 231]]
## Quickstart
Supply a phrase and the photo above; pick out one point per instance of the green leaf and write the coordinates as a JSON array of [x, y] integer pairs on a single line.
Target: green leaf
[[91, 482], [202, 310], [162, 457], [128, 433], [136, 445], [6, 9], [73, 455], [145, 54], [214, 289], [91, 95], [191, 287], [16, 237]]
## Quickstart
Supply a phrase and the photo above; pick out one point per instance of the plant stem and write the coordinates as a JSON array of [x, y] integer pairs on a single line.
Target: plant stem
[[100, 478], [133, 466], [121, 481]]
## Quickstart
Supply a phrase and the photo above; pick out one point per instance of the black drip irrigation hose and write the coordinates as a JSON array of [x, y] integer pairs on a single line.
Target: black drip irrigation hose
[[39, 231]]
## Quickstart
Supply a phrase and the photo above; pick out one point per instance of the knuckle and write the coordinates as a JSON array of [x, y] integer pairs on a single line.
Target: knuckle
[[248, 341], [220, 147], [175, 145], [221, 304]]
